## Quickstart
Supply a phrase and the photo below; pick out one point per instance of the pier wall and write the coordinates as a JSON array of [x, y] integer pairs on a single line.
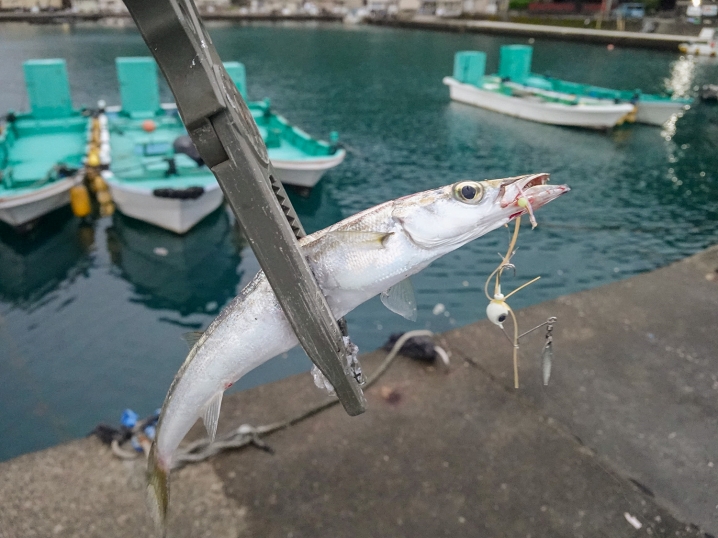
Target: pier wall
[[584, 35]]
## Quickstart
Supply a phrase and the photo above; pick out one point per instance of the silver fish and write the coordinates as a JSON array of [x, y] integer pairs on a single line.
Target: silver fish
[[370, 253]]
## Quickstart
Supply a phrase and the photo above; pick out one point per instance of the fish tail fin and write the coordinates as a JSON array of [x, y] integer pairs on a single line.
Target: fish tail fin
[[158, 490]]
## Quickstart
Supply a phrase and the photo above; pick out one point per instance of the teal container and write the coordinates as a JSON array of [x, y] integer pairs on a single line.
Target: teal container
[[469, 67], [139, 90], [48, 89], [515, 62], [238, 74]]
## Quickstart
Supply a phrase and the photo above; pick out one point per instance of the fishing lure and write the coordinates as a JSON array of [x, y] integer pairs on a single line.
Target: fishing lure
[[498, 309]]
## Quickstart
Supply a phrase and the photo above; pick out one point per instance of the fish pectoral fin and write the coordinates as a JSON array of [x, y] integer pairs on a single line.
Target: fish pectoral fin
[[210, 416], [400, 299], [358, 239], [192, 337]]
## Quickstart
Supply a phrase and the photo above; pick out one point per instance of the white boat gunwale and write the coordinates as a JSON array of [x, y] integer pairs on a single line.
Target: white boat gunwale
[[40, 193]]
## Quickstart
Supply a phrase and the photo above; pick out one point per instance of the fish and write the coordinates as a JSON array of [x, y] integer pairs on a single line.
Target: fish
[[371, 253]]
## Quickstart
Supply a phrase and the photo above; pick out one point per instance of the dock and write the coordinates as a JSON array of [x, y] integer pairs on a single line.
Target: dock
[[584, 35], [622, 443]]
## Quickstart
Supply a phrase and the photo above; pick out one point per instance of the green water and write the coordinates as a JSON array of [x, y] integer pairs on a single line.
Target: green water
[[91, 317]]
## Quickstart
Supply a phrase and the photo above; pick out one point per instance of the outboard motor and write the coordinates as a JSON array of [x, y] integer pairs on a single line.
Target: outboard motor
[[184, 144]]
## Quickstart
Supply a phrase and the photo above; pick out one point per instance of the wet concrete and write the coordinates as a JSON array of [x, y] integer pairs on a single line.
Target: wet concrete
[[625, 431]]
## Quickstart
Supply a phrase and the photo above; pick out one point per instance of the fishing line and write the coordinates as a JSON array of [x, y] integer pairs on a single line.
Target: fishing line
[[498, 309]]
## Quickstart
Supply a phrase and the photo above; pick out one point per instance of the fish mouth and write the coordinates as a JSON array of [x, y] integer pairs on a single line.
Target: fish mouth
[[533, 187]]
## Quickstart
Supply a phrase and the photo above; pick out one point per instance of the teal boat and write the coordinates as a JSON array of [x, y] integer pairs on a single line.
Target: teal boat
[[156, 174], [652, 109], [41, 151]]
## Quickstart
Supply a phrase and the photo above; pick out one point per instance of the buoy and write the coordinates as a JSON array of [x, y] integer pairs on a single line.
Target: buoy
[[98, 184], [93, 159], [106, 210], [103, 197], [631, 116], [610, 46], [80, 201], [148, 126]]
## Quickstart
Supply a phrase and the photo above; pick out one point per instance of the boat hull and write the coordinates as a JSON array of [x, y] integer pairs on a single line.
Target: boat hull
[[306, 173], [172, 214], [22, 209], [699, 49], [581, 115], [658, 112]]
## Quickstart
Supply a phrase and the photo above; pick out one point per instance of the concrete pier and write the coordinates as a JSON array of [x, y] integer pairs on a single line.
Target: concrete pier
[[584, 35], [624, 436]]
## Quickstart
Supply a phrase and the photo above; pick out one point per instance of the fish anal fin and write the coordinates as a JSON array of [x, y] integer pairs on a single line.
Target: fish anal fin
[[400, 299], [210, 417], [359, 239], [192, 337]]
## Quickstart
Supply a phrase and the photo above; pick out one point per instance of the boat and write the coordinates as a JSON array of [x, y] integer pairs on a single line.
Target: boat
[[709, 93], [471, 86], [651, 109], [705, 45], [356, 16], [41, 151], [154, 173], [157, 175], [298, 159]]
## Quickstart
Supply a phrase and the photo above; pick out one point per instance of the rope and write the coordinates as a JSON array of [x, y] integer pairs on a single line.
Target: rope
[[246, 434]]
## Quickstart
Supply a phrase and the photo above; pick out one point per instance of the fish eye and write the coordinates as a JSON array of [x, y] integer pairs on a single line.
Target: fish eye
[[469, 191]]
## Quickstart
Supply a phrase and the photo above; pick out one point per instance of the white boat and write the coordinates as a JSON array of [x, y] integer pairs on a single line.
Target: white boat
[[178, 215], [659, 112], [530, 106], [356, 16], [706, 45], [41, 151], [153, 174], [18, 209], [306, 173]]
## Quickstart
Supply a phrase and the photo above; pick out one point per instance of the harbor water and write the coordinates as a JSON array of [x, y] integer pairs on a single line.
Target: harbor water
[[91, 316]]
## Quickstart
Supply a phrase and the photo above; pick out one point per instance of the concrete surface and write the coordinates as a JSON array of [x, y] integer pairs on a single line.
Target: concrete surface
[[627, 427], [586, 35]]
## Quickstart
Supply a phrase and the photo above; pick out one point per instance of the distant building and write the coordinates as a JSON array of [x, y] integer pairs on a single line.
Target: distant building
[[480, 7], [112, 6], [118, 6], [381, 7], [30, 4], [84, 6], [206, 4], [409, 5], [94, 6], [455, 8]]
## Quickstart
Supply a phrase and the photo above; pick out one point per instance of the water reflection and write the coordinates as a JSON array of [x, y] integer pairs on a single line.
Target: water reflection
[[194, 273], [198, 273], [683, 73], [32, 265]]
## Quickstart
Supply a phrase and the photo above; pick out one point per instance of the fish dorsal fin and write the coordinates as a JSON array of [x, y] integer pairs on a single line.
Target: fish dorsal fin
[[192, 337], [210, 417], [400, 299], [359, 239]]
